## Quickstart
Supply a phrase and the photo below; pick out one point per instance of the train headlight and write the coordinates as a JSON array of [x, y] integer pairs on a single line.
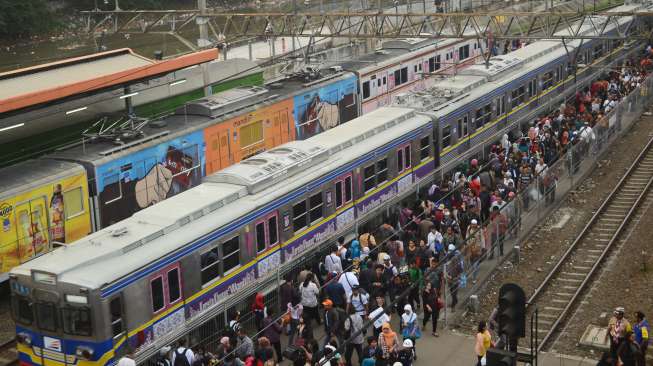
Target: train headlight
[[84, 352], [24, 338]]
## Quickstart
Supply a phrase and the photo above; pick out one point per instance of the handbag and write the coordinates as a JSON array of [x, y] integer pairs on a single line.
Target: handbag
[[412, 330], [440, 303]]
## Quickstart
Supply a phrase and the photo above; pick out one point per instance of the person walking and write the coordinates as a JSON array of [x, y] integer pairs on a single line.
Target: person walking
[[182, 351], [354, 333], [431, 307], [309, 292], [483, 341], [410, 328], [331, 321], [389, 343], [295, 310]]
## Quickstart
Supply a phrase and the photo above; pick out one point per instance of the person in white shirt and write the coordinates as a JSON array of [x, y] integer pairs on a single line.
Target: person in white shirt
[[540, 166], [382, 316], [348, 280], [358, 300], [182, 351], [332, 262], [127, 359], [309, 292], [433, 236]]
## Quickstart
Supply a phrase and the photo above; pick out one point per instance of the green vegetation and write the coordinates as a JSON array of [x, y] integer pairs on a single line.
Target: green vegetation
[[24, 18]]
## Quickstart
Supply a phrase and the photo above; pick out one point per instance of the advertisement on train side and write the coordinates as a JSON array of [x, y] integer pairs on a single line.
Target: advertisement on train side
[[321, 109], [241, 137], [133, 182], [33, 219]]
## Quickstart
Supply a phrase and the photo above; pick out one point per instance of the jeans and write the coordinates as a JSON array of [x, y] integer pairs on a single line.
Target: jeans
[[349, 351], [294, 323]]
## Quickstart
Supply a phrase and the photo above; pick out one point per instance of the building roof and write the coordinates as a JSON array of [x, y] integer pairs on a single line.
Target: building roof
[[45, 83]]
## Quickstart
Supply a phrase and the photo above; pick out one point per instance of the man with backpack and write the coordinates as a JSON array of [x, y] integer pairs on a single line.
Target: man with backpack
[[353, 325], [182, 356]]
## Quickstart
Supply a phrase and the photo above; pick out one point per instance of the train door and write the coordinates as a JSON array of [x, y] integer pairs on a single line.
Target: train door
[[117, 320], [32, 226], [166, 291], [219, 143], [267, 236], [284, 126]]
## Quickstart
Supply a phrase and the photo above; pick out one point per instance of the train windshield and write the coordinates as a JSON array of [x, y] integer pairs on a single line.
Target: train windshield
[[46, 316], [22, 308], [76, 321]]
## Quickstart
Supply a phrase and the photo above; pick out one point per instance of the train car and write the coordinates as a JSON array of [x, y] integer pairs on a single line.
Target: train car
[[142, 282], [482, 103], [206, 135], [42, 202], [405, 65]]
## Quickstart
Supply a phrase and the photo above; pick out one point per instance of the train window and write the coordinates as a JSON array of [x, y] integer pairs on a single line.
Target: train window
[[76, 321], [378, 83], [366, 90], [400, 160], [174, 289], [251, 134], [446, 136], [368, 178], [46, 316], [415, 68], [424, 148], [114, 194], [419, 66], [338, 194], [397, 78], [518, 96], [598, 51], [272, 230], [299, 216], [348, 190], [463, 52], [73, 202], [115, 310], [434, 63], [381, 171], [210, 265], [22, 308], [316, 207], [404, 75], [547, 80], [260, 236], [158, 300], [231, 254], [483, 115]]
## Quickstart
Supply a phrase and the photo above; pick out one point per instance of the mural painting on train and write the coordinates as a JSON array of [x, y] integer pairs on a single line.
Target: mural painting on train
[[139, 180], [33, 219], [322, 109], [248, 134]]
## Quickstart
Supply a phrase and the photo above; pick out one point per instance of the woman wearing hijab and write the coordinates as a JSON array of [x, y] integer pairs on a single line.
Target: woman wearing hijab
[[389, 343], [355, 250], [410, 327]]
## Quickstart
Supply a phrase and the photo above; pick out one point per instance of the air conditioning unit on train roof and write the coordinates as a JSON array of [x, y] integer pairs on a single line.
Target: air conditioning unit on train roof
[[267, 168], [224, 102]]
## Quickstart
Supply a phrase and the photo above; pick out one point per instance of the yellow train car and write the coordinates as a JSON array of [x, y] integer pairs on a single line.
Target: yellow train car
[[43, 203]]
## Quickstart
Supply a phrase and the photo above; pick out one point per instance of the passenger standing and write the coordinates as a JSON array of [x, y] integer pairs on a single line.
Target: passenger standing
[[378, 316], [409, 327], [389, 343], [259, 310], [431, 307], [182, 356], [295, 309], [331, 321], [642, 331], [245, 346], [617, 328], [332, 262], [309, 294], [272, 331], [354, 333], [629, 352]]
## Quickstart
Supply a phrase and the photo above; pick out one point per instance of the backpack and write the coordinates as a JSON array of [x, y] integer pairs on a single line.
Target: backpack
[[180, 358]]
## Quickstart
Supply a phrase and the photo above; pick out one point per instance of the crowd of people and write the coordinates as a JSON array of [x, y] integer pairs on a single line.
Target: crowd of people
[[412, 266]]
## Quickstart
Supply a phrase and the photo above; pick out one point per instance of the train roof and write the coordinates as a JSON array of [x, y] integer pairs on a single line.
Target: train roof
[[392, 52], [450, 93], [172, 224], [197, 115], [31, 174]]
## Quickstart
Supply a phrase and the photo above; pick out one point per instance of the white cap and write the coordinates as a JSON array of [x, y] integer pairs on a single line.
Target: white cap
[[452, 247], [474, 222], [408, 343]]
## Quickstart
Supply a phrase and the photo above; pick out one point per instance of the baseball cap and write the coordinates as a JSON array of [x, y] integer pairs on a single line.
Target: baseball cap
[[441, 207]]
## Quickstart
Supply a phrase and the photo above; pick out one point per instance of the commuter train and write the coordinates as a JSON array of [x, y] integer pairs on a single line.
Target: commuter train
[[200, 138], [170, 267]]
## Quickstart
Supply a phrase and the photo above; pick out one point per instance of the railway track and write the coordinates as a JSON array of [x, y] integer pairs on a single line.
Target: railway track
[[563, 287]]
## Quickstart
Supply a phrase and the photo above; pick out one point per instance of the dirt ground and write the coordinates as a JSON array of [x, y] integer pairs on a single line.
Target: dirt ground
[[546, 244]]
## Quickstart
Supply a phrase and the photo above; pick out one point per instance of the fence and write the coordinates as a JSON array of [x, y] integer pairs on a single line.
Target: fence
[[516, 219]]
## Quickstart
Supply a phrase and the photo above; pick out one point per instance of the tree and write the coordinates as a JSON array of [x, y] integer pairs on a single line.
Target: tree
[[24, 18]]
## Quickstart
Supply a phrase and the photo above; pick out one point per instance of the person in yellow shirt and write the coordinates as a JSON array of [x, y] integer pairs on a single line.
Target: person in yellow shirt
[[483, 341]]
